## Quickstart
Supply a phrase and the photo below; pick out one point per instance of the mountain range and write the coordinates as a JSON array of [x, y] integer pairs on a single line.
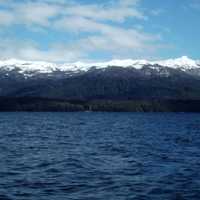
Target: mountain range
[[27, 67], [116, 80]]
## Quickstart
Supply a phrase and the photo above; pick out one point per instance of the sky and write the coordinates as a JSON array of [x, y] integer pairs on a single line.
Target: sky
[[99, 30]]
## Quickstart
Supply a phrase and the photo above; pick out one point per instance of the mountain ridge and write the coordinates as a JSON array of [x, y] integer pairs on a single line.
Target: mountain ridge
[[184, 63], [115, 81]]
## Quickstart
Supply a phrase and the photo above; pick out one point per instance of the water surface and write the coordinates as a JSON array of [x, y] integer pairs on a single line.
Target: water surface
[[99, 156]]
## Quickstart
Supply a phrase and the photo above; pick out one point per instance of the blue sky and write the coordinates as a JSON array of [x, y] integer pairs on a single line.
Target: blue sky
[[99, 30]]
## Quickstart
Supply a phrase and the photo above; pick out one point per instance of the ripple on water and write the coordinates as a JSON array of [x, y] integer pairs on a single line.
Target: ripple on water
[[117, 156]]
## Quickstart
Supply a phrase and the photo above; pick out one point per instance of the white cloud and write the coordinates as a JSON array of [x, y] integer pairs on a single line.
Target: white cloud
[[6, 18], [28, 13], [41, 12], [116, 13], [157, 12], [102, 23], [108, 37], [195, 5], [128, 2], [29, 50], [36, 13]]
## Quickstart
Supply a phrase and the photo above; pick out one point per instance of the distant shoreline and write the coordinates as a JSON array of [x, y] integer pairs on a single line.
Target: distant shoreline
[[9, 104]]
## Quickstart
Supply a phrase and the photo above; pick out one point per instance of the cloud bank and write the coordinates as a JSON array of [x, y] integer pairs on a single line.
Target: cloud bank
[[94, 29]]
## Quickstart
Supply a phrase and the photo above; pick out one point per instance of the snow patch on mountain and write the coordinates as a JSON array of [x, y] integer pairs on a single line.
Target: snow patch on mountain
[[183, 63], [28, 66]]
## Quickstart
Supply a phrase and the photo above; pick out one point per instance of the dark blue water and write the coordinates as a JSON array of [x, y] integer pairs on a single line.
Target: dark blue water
[[104, 156]]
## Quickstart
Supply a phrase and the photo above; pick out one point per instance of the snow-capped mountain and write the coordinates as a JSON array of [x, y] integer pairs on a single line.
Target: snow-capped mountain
[[117, 79], [183, 63]]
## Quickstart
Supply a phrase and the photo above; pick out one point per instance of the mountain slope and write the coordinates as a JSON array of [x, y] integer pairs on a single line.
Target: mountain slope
[[115, 80], [28, 67]]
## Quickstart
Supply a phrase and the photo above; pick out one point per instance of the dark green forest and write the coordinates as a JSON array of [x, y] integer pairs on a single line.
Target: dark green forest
[[57, 105]]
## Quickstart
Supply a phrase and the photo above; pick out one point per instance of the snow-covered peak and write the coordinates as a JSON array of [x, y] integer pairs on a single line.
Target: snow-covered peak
[[198, 62], [28, 66], [182, 62], [47, 67]]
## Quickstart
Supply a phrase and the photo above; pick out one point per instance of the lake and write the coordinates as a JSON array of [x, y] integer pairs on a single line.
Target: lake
[[99, 156]]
